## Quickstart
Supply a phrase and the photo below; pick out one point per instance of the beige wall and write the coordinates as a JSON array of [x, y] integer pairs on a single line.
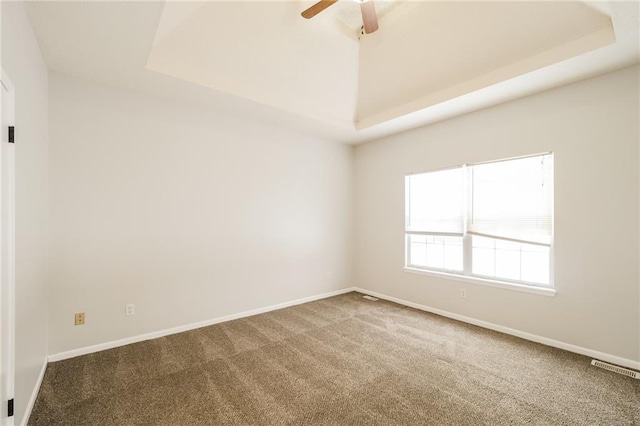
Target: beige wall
[[187, 214], [23, 63], [593, 129]]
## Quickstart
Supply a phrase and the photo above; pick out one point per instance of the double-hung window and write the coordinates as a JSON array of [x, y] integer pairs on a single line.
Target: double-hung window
[[492, 221]]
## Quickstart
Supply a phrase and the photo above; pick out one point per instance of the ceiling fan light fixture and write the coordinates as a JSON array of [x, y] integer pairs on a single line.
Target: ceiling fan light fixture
[[367, 8], [369, 17]]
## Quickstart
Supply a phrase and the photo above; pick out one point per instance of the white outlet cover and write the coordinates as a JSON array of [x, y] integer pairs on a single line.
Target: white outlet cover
[[130, 310]]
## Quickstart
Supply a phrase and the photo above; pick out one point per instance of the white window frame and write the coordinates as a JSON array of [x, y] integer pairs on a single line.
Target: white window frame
[[466, 275]]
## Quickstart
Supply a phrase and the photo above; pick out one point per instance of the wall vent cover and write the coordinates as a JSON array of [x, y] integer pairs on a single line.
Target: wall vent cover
[[373, 299], [616, 369]]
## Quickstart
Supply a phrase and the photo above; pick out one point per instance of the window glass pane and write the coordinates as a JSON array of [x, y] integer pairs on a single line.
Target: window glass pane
[[434, 251], [510, 260], [435, 201], [507, 260], [483, 242], [435, 255], [418, 250], [535, 264], [513, 198], [453, 254], [483, 256]]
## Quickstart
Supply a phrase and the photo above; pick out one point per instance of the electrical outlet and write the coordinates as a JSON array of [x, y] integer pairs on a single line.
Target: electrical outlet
[[130, 309], [80, 318], [463, 293]]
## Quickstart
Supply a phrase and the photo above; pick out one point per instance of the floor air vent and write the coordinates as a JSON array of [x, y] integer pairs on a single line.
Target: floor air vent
[[616, 369], [373, 299]]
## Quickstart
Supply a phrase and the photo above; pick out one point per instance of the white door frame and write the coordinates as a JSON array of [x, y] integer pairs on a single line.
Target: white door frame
[[7, 250]]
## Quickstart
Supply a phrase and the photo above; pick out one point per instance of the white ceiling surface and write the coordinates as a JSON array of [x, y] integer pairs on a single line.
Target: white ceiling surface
[[465, 47], [266, 63], [265, 52], [310, 68]]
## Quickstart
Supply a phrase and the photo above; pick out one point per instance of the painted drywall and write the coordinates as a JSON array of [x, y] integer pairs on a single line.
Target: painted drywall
[[109, 42], [186, 213], [292, 63], [593, 129], [23, 63], [464, 47]]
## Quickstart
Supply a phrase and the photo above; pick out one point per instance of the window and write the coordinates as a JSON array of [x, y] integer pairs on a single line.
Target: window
[[490, 221]]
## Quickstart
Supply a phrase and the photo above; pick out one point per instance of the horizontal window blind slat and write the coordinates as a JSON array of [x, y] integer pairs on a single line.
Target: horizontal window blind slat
[[513, 199], [435, 202], [440, 234], [525, 241]]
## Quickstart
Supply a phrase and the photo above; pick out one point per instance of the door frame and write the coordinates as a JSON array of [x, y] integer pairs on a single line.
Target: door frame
[[7, 251]]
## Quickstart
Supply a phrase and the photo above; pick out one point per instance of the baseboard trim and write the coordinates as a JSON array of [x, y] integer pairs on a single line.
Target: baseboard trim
[[34, 394], [161, 333], [613, 359]]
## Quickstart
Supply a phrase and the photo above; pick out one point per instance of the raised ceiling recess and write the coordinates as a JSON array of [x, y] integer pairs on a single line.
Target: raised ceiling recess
[[325, 68]]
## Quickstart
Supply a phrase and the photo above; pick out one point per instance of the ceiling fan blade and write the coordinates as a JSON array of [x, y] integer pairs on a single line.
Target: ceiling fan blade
[[369, 16], [317, 8]]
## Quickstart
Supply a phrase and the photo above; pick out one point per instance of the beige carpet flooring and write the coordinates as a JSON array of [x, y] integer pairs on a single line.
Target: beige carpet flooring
[[337, 361]]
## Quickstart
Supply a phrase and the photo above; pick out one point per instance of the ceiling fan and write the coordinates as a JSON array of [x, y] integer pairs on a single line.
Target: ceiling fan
[[369, 17]]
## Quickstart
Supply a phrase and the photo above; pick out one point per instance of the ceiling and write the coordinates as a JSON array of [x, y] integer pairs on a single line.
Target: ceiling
[[430, 60]]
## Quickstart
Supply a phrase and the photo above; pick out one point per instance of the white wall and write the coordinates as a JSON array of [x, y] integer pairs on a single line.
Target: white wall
[[23, 63], [593, 129], [187, 214]]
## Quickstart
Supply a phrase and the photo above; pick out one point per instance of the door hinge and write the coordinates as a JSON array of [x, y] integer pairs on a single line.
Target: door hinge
[[11, 134], [10, 408]]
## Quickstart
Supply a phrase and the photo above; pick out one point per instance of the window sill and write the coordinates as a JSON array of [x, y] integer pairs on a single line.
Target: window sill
[[491, 283]]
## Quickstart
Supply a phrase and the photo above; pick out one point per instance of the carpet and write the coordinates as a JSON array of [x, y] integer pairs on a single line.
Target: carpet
[[337, 361]]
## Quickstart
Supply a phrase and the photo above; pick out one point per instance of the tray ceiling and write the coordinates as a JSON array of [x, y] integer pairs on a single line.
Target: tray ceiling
[[424, 53], [429, 60]]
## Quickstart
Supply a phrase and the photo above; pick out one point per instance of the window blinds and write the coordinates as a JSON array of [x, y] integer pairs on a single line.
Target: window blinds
[[435, 202], [513, 199]]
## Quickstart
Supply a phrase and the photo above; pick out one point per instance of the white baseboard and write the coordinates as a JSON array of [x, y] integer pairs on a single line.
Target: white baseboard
[[613, 359], [161, 333], [491, 326], [34, 394]]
